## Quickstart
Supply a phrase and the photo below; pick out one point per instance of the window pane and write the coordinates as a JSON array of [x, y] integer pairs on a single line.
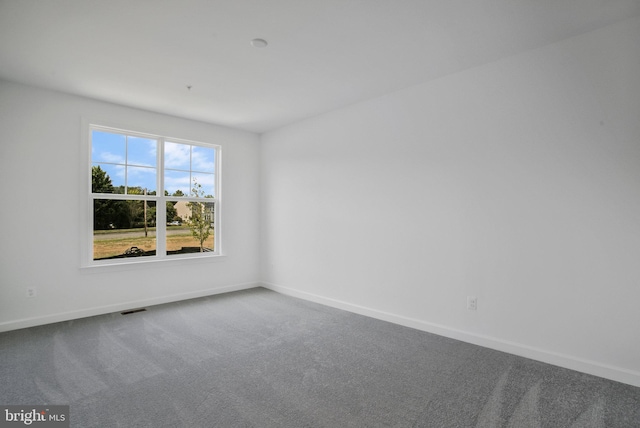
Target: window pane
[[107, 178], [123, 229], [202, 159], [177, 156], [207, 183], [108, 147], [140, 178], [141, 151], [192, 227], [177, 183]]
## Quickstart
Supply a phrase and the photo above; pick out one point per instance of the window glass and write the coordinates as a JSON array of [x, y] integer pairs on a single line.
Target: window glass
[[177, 156], [107, 147], [207, 183], [141, 151], [140, 179], [191, 229], [123, 229], [188, 167], [202, 159], [177, 183], [129, 161]]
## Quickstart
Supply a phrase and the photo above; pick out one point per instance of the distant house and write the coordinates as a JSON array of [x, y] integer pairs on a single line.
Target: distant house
[[184, 211]]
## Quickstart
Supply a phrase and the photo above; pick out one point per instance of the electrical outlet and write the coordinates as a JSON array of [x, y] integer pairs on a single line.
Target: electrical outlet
[[472, 303], [32, 292]]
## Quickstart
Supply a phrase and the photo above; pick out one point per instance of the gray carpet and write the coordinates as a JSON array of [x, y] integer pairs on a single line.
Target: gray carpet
[[256, 358]]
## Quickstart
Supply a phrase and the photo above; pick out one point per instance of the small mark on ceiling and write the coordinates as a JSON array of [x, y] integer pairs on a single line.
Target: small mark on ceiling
[[259, 43]]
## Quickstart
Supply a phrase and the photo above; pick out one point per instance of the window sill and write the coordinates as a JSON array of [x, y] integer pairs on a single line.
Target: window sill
[[155, 262]]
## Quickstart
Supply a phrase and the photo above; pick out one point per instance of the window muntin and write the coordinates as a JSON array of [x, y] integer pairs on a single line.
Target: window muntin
[[134, 221]]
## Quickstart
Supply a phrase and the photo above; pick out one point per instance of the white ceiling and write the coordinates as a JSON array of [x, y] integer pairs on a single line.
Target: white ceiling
[[322, 54]]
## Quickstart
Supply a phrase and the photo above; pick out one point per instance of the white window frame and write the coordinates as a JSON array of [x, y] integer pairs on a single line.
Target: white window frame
[[159, 198]]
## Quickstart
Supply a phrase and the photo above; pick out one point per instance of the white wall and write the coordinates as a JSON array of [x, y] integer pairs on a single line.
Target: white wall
[[41, 224], [517, 182]]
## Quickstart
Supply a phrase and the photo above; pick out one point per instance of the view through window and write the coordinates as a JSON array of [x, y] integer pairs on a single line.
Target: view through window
[[152, 196]]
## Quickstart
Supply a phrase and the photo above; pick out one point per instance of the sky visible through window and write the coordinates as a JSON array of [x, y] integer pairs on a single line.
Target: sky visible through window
[[185, 163], [132, 161]]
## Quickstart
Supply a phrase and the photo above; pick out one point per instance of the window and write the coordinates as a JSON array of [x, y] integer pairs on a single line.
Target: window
[[152, 197]]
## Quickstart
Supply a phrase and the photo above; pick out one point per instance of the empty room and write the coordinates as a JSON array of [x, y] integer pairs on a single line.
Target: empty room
[[337, 213]]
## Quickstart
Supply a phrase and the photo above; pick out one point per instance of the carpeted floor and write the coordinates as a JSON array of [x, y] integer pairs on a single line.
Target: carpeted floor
[[256, 358]]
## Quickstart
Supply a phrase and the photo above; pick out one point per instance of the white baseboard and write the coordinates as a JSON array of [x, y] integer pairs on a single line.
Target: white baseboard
[[582, 365], [107, 309]]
